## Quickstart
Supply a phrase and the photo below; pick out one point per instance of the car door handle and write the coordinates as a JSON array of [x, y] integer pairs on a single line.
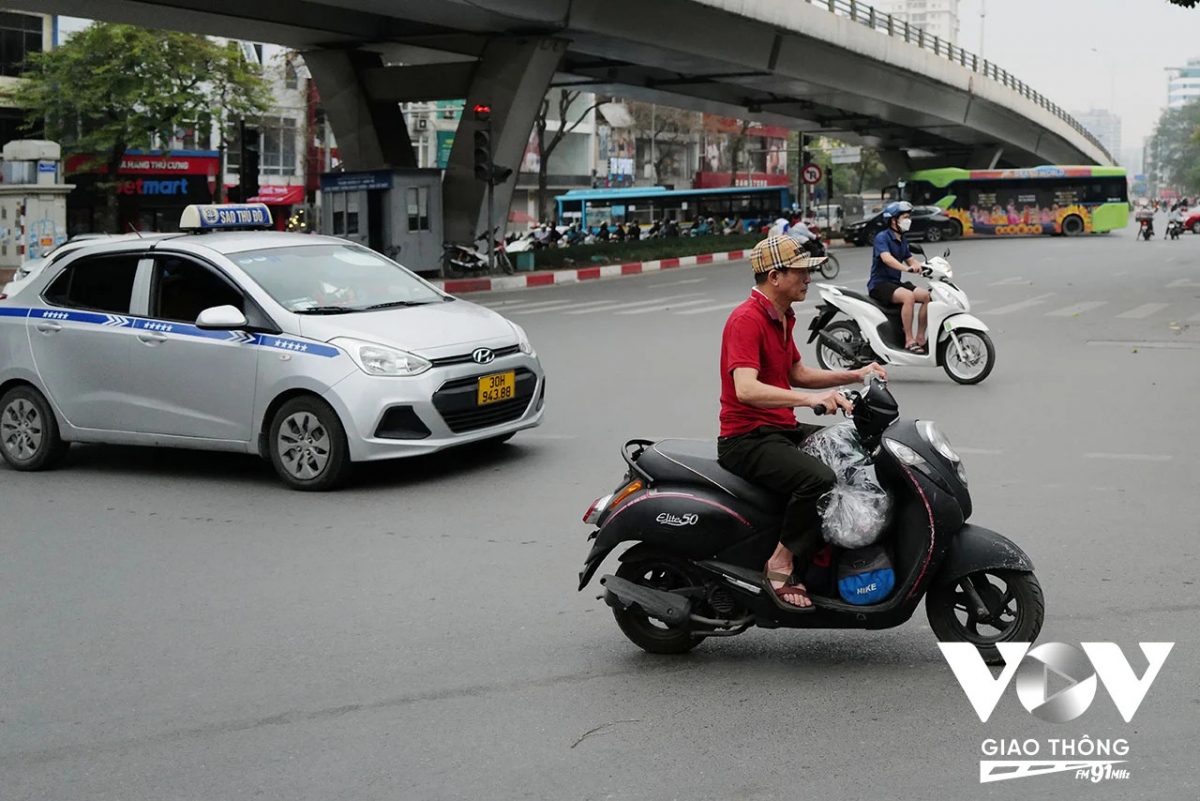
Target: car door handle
[[49, 328], [152, 339]]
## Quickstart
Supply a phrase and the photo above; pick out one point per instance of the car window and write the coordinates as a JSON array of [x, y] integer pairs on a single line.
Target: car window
[[101, 283], [181, 288], [309, 278]]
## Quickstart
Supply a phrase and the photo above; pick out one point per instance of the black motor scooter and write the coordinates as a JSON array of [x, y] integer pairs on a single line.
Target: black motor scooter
[[703, 536]]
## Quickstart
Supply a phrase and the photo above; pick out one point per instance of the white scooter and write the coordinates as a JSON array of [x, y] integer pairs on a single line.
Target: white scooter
[[876, 333]]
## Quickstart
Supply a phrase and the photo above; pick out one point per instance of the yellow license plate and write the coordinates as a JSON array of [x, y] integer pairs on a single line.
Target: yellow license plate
[[498, 387]]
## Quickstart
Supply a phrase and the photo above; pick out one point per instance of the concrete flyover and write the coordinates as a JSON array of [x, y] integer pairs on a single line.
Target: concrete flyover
[[834, 67]]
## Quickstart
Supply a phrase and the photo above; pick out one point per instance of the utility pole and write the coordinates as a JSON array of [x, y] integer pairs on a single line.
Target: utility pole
[[982, 20]]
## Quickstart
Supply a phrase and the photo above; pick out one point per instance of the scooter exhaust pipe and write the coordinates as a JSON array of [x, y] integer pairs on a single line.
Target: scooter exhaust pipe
[[666, 606], [837, 346]]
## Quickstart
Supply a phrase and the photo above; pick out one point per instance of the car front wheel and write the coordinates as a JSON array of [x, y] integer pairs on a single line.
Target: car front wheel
[[308, 445]]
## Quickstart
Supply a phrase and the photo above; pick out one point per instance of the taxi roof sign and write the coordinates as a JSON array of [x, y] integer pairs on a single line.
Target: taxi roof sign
[[225, 216]]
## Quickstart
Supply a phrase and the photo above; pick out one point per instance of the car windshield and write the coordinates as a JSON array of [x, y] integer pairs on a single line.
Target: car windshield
[[328, 278]]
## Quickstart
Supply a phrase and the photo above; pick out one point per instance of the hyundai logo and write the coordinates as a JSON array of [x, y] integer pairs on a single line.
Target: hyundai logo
[[482, 355]]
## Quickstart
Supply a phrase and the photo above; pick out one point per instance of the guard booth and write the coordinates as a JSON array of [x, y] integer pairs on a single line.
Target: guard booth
[[394, 212]]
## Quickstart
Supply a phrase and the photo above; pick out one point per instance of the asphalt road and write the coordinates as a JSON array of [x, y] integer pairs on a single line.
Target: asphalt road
[[178, 626]]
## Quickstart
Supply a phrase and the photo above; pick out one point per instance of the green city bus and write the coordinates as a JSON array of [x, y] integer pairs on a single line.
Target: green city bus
[[1037, 200]]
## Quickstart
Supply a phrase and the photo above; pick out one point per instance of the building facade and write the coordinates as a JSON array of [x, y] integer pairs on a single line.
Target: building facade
[[936, 17], [1105, 126], [1183, 85], [21, 33]]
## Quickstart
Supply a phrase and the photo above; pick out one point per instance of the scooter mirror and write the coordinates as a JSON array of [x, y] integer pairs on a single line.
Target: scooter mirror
[[946, 255], [915, 248]]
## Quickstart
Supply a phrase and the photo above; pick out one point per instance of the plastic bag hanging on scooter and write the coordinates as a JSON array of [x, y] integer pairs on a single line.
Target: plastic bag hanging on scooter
[[855, 512]]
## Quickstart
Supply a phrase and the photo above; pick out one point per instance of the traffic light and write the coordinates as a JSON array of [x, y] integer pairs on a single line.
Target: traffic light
[[829, 182], [483, 155], [483, 112], [248, 169], [807, 157]]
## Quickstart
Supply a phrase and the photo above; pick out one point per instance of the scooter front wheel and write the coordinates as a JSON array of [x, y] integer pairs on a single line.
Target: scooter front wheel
[[971, 360], [1013, 610], [830, 269], [645, 632]]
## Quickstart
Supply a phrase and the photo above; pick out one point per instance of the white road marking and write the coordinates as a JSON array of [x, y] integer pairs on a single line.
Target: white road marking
[[563, 306], [521, 304], [1078, 308], [1183, 282], [1145, 310], [1024, 304], [679, 283], [665, 307], [1016, 279], [718, 307], [1118, 275], [1136, 457], [977, 451], [615, 306], [1124, 343]]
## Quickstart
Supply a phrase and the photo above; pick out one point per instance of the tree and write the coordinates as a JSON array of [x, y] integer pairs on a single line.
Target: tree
[[667, 126], [1176, 145], [735, 150], [111, 88], [237, 91], [565, 99], [1185, 3]]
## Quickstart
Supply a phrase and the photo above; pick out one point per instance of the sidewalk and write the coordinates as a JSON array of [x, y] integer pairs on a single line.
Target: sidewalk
[[458, 286]]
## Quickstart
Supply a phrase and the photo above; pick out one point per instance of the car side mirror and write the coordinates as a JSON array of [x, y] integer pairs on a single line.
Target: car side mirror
[[221, 318], [946, 255], [915, 248]]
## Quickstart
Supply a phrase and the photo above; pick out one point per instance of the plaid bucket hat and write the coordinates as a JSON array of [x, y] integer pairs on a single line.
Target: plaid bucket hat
[[780, 252]]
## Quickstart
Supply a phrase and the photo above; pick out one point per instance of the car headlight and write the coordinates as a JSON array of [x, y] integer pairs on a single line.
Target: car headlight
[[523, 340], [375, 359]]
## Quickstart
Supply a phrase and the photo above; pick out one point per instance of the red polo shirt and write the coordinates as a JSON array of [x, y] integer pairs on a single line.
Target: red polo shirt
[[755, 338]]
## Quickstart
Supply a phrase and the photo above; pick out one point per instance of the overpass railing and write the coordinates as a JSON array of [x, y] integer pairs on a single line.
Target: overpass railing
[[888, 24]]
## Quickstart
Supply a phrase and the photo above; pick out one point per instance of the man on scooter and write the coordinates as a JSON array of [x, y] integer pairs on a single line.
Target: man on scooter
[[891, 258], [760, 365]]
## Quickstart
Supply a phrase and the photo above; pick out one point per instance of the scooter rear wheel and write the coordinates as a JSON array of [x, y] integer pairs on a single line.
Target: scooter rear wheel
[[847, 333], [1016, 610], [654, 636]]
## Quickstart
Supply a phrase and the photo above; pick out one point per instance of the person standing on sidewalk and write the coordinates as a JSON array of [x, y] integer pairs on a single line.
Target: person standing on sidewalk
[[760, 369]]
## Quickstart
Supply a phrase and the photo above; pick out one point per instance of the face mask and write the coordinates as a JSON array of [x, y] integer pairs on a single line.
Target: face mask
[[905, 225]]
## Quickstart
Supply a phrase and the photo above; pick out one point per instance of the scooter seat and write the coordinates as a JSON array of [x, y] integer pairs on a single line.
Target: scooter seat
[[695, 462], [891, 308]]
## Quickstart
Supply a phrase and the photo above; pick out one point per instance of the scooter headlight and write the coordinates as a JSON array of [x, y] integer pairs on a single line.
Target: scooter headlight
[[933, 435], [930, 432], [906, 455]]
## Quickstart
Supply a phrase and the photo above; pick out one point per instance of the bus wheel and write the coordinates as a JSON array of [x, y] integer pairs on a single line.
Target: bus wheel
[[1072, 226]]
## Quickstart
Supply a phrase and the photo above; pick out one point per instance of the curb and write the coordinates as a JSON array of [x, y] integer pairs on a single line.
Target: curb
[[456, 286]]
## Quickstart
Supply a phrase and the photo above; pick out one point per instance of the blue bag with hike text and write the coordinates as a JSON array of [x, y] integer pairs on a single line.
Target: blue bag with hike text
[[865, 575]]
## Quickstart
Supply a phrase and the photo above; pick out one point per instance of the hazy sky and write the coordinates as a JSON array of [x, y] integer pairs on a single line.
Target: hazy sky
[[1081, 53], [1049, 44]]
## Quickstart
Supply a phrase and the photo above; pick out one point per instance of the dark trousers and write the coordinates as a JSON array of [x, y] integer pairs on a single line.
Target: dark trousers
[[770, 457]]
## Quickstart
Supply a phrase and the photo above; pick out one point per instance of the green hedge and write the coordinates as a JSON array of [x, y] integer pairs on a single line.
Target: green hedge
[[641, 250]]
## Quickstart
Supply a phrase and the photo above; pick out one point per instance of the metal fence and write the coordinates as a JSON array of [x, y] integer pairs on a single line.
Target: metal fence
[[886, 23]]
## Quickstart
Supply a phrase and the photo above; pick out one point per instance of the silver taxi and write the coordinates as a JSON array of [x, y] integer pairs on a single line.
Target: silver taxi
[[310, 351]]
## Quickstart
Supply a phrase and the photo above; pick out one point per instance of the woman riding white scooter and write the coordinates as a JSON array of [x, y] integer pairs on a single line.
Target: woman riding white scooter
[[886, 286]]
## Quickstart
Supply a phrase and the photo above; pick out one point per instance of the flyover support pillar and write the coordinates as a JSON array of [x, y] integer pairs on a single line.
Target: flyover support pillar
[[371, 133], [512, 78]]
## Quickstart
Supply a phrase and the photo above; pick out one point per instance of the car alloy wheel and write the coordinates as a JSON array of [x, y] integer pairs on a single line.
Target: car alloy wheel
[[304, 446], [21, 429]]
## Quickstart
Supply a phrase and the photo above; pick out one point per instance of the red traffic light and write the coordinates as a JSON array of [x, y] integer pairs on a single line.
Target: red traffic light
[[482, 112]]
